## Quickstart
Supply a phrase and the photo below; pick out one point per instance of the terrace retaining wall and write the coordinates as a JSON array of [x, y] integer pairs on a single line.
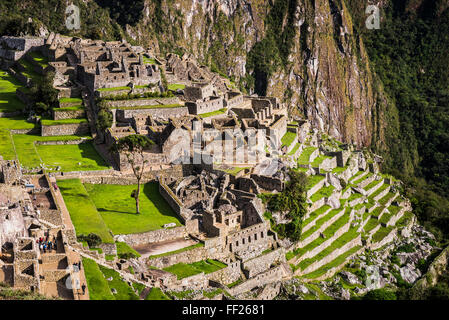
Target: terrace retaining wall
[[66, 129]]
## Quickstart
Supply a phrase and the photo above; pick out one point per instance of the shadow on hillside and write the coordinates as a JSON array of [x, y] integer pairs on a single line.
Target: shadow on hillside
[[151, 191]]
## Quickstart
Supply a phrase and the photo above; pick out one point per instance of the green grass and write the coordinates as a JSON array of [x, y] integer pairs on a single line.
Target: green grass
[[372, 184], [124, 291], [83, 213], [48, 122], [356, 182], [288, 138], [318, 160], [371, 224], [117, 208], [324, 192], [338, 170], [71, 108], [39, 58], [156, 294], [29, 71], [198, 245], [354, 196], [183, 270], [213, 113], [381, 233], [313, 180], [235, 170], [124, 248], [176, 86], [114, 89], [8, 99], [71, 157], [320, 222], [402, 222], [6, 141], [295, 148], [357, 175], [315, 214], [305, 155], [333, 264], [71, 100], [379, 190], [96, 283], [328, 233], [386, 198], [338, 243]]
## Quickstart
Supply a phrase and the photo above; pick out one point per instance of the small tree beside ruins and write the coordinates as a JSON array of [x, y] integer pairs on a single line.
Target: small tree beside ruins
[[133, 147]]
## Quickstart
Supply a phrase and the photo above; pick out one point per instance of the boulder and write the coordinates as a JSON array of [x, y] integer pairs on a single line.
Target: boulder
[[409, 273], [350, 277]]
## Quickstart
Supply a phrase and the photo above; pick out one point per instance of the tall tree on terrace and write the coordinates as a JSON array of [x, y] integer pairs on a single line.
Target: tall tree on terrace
[[133, 147]]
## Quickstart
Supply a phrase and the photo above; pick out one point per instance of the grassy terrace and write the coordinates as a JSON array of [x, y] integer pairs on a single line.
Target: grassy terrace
[[315, 214], [333, 264], [71, 100], [372, 184], [356, 176], [338, 170], [48, 122], [328, 233], [234, 171], [39, 58], [324, 192], [386, 198], [74, 157], [288, 138], [117, 208], [319, 160], [72, 108], [8, 99], [338, 243], [100, 288], [320, 222], [114, 89], [356, 182], [6, 142], [371, 224], [402, 222], [295, 148], [176, 86], [29, 71], [354, 196], [83, 212], [381, 233], [378, 191], [156, 294], [183, 270], [313, 180], [213, 113], [305, 155]]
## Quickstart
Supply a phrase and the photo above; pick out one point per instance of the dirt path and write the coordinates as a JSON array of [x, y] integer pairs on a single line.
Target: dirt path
[[150, 249]]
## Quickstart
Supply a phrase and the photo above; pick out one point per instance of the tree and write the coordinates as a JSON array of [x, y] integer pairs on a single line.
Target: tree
[[133, 147]]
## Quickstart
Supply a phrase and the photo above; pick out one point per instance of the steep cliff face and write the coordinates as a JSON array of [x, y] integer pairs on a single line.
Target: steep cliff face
[[325, 75]]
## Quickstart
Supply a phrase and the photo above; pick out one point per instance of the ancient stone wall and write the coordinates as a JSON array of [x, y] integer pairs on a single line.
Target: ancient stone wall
[[263, 262], [272, 275], [152, 236], [66, 129], [189, 256], [268, 183], [226, 275], [205, 106], [68, 114]]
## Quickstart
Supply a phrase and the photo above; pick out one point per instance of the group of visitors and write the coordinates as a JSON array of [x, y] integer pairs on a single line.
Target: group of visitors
[[47, 244]]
